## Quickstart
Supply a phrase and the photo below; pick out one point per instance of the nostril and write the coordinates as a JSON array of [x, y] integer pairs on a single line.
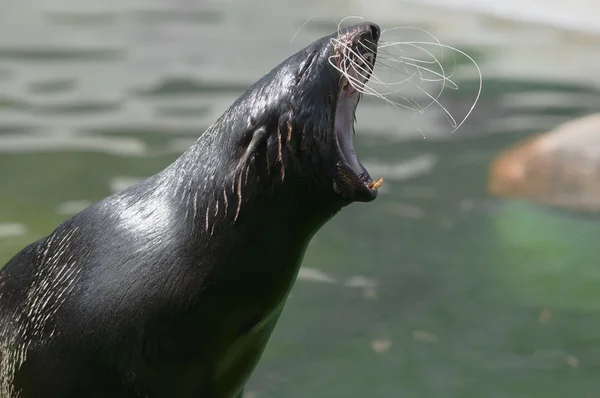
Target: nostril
[[375, 31]]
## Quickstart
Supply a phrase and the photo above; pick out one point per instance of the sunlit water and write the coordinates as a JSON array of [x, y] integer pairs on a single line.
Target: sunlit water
[[434, 290]]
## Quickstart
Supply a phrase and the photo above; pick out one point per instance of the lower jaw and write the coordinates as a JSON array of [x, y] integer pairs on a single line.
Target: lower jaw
[[350, 187]]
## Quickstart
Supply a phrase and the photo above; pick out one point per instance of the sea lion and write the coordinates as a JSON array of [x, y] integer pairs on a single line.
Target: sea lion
[[172, 287]]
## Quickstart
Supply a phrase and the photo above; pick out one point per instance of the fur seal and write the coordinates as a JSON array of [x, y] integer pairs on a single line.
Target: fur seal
[[172, 287]]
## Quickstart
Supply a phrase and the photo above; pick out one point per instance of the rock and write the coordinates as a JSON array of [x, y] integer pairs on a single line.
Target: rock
[[559, 168]]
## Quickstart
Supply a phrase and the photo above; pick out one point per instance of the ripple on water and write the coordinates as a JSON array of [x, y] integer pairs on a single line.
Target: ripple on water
[[189, 15], [79, 107], [15, 129], [82, 19], [37, 143], [179, 144], [314, 275], [53, 86], [14, 103], [10, 230], [367, 285], [188, 85], [72, 207], [118, 184], [182, 111], [412, 168], [60, 54]]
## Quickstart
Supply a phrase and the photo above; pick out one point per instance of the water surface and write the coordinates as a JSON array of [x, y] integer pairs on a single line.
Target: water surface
[[434, 290]]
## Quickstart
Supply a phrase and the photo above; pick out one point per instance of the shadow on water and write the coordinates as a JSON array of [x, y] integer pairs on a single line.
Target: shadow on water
[[434, 290]]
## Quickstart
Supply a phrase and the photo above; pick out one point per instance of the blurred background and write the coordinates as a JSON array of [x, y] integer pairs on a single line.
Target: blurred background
[[438, 288]]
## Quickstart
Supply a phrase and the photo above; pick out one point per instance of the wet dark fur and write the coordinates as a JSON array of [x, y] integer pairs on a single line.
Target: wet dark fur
[[172, 287]]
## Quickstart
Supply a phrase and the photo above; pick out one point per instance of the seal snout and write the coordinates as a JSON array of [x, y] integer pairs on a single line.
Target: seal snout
[[367, 30], [375, 31], [355, 52]]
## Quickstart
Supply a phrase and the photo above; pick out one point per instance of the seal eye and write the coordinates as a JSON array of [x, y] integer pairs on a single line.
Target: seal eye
[[306, 65]]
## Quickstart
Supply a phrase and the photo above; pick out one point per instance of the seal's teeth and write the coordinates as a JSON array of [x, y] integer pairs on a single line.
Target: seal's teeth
[[375, 184]]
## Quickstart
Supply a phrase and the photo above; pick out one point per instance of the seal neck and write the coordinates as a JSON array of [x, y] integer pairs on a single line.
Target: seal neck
[[218, 193]]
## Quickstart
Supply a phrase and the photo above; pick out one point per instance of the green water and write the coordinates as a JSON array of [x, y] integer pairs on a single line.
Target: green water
[[434, 290]]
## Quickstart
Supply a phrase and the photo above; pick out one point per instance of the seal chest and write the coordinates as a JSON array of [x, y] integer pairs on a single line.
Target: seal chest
[[172, 287]]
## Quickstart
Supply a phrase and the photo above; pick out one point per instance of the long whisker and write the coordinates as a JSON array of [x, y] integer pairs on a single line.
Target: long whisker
[[374, 78], [363, 89], [480, 77], [423, 79], [442, 77], [339, 27], [420, 30], [420, 68], [358, 55], [383, 55], [404, 71], [428, 69], [300, 28], [356, 84], [414, 62]]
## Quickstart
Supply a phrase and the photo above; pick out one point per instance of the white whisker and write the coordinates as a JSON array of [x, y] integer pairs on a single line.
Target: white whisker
[[358, 55], [339, 28], [480, 77], [358, 67], [300, 28], [449, 116], [443, 76], [420, 30], [363, 89]]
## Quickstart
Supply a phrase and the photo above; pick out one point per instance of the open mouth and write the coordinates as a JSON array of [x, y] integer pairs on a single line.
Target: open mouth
[[357, 67]]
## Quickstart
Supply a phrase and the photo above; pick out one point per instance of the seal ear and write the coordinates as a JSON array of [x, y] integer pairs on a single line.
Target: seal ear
[[252, 140]]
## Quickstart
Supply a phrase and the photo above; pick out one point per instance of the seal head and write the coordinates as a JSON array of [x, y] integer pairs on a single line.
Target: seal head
[[304, 112]]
